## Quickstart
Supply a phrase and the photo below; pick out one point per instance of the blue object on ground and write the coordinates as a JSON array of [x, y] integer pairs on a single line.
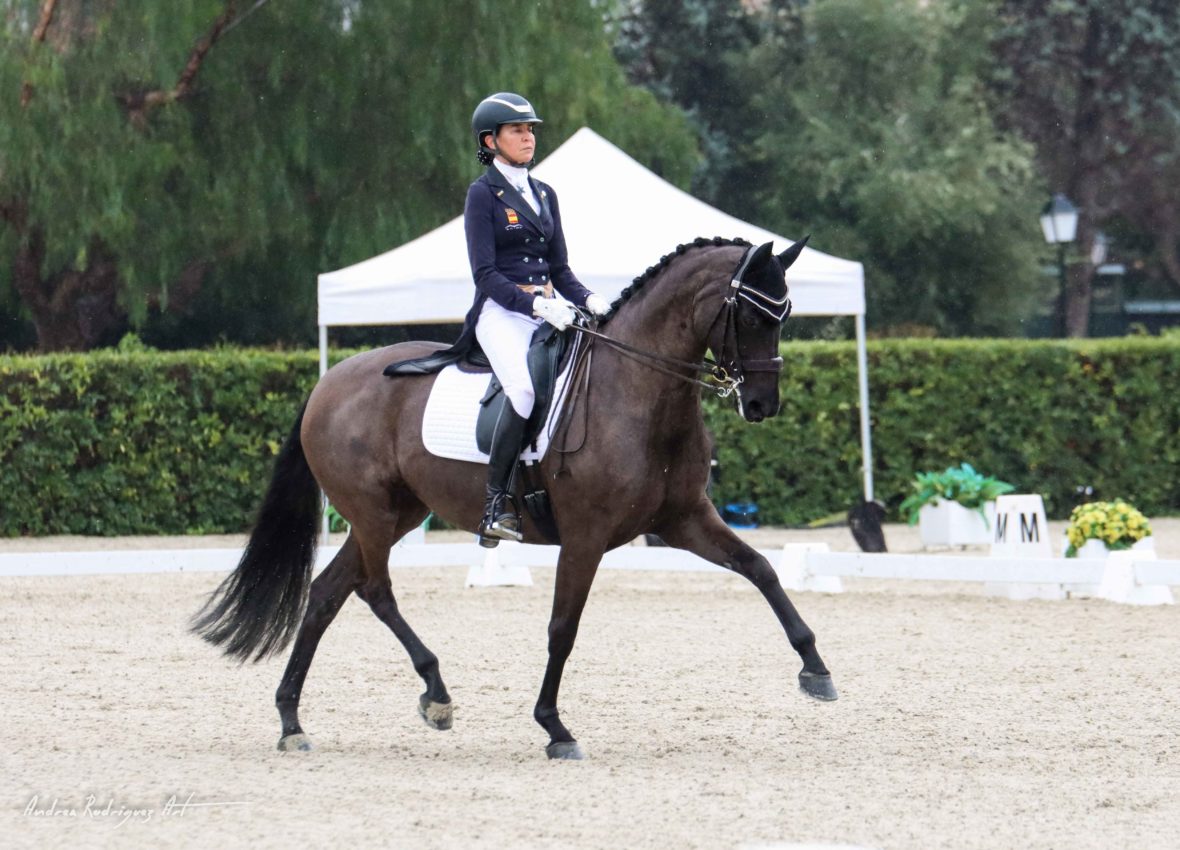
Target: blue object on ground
[[740, 515]]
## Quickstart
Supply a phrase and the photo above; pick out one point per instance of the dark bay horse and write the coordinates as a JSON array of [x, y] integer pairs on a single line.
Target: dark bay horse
[[642, 468]]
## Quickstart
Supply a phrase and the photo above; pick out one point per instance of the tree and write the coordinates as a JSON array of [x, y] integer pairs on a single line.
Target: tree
[[698, 55], [158, 156], [865, 124], [883, 146], [1095, 86]]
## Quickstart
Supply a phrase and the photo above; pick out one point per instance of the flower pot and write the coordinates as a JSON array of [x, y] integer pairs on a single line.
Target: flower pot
[[1093, 548], [945, 523]]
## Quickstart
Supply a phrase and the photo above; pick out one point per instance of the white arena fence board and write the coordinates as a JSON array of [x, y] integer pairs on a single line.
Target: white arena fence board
[[800, 566], [1158, 572], [955, 568]]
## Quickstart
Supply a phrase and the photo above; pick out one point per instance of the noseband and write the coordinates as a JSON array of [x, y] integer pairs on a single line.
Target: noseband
[[728, 372]]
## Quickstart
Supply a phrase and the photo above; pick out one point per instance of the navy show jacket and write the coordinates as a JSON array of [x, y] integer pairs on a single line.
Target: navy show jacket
[[509, 244]]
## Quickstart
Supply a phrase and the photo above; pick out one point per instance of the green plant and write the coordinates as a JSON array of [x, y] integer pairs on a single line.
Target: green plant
[[336, 522], [963, 485], [1117, 524]]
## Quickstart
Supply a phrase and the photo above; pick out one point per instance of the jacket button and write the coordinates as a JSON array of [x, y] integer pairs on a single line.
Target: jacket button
[[527, 240], [542, 238], [526, 259], [530, 278]]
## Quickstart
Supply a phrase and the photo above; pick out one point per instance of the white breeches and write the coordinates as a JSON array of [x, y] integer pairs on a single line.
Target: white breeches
[[505, 336]]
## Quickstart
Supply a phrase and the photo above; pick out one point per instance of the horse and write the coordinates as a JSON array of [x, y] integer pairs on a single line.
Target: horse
[[640, 467]]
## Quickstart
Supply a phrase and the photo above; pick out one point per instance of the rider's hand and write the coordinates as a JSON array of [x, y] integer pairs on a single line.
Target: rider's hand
[[557, 313], [597, 305]]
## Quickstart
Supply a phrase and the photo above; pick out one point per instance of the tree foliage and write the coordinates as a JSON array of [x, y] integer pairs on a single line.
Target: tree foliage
[[213, 156], [864, 124], [1095, 85]]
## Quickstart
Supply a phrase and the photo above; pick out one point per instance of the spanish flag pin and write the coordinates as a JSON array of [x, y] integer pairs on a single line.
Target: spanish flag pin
[[512, 219]]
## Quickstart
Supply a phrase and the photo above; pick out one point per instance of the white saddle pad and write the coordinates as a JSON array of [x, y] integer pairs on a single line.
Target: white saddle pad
[[448, 422]]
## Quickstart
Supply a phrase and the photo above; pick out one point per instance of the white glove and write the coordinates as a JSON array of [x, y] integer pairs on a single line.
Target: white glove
[[597, 305], [557, 313]]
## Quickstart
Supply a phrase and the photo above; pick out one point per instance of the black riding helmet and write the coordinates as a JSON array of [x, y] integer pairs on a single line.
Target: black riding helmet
[[494, 111]]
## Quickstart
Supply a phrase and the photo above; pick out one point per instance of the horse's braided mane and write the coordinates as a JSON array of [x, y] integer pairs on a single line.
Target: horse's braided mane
[[638, 283]]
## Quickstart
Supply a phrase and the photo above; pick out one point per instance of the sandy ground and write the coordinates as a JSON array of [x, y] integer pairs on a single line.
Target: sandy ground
[[964, 721]]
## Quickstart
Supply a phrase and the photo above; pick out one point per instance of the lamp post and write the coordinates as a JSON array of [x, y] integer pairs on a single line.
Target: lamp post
[[1059, 223]]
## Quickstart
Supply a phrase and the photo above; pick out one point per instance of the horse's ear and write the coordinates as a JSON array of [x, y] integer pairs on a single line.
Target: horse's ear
[[761, 254], [791, 254]]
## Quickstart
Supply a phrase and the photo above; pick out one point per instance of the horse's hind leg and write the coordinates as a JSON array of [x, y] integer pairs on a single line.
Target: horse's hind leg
[[702, 532], [327, 595], [434, 705]]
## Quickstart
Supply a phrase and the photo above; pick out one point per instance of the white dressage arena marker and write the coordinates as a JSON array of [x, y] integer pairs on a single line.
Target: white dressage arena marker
[[1021, 528]]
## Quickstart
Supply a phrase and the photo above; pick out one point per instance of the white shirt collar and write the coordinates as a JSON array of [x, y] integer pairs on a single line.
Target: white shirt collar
[[517, 175]]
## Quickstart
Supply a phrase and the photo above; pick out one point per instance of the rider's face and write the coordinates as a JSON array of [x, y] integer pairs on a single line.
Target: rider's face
[[516, 142]]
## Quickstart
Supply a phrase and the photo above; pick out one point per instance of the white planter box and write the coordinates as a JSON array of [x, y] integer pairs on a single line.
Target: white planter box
[[1097, 549], [950, 524]]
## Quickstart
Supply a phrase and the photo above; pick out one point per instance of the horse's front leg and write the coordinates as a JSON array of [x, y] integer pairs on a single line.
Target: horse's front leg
[[576, 567], [702, 532]]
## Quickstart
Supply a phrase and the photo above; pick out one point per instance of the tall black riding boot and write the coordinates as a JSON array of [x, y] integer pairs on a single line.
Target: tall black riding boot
[[500, 520]]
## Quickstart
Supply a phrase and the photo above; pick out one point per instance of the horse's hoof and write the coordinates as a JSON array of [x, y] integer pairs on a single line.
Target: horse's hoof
[[297, 743], [566, 750], [438, 715], [817, 685]]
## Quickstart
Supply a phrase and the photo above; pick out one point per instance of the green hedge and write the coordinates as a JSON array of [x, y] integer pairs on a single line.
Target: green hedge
[[1047, 416], [166, 443], [115, 443]]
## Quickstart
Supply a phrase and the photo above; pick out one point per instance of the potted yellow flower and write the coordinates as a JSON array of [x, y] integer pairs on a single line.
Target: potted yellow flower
[[1096, 528]]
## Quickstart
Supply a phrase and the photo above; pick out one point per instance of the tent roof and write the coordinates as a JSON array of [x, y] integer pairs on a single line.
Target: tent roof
[[618, 217]]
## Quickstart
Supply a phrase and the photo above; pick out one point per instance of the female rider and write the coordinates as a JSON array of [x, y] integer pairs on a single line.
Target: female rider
[[518, 258]]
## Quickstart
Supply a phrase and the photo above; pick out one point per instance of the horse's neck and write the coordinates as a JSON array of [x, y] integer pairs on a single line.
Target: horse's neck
[[663, 320]]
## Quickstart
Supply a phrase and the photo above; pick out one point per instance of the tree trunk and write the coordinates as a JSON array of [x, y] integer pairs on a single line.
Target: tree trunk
[[1078, 296], [72, 310], [1083, 168]]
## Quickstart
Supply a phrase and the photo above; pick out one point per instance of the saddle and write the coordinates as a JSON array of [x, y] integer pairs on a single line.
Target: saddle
[[549, 352]]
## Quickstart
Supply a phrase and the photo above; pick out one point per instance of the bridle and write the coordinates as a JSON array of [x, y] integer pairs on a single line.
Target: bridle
[[728, 372]]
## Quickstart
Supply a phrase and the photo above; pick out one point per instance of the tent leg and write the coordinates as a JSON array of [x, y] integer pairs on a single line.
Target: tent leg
[[866, 440], [323, 349]]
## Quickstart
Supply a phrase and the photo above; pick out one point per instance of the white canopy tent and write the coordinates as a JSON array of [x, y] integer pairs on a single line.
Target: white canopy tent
[[428, 280]]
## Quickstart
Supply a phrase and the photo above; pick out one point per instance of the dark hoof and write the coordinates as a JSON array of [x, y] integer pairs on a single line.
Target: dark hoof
[[817, 685], [297, 743], [438, 715], [567, 750]]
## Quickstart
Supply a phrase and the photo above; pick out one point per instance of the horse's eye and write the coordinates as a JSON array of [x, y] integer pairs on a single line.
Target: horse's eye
[[749, 320]]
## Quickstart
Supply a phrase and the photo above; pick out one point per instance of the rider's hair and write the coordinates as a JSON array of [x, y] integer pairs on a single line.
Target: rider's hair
[[639, 282]]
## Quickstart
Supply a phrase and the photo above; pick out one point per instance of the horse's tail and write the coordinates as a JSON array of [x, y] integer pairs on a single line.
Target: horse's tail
[[259, 606]]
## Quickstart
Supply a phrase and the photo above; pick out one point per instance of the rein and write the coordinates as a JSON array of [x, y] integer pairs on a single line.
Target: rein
[[725, 385], [726, 380]]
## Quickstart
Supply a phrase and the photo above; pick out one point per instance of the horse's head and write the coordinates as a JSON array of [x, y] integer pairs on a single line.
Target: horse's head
[[746, 335]]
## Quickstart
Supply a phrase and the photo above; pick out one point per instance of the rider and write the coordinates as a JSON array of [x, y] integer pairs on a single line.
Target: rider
[[518, 258]]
